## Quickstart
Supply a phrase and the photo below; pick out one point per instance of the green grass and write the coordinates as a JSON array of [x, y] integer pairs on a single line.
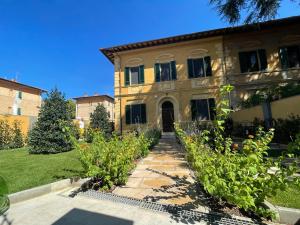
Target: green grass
[[22, 170], [289, 198]]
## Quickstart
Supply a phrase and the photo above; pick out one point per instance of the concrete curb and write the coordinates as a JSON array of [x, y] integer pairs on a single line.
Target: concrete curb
[[283, 214], [45, 189]]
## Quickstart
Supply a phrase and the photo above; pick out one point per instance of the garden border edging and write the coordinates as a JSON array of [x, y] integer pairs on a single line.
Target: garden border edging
[[46, 189], [284, 214]]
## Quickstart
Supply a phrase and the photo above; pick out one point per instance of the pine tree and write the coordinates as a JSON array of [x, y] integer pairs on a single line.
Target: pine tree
[[52, 131], [99, 120]]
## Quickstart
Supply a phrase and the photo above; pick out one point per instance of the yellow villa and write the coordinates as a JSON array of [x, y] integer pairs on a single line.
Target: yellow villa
[[176, 78]]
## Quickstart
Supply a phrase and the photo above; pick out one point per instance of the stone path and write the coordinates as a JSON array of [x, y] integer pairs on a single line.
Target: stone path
[[163, 177]]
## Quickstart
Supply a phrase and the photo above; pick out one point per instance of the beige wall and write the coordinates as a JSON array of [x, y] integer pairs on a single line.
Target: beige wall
[[224, 52], [85, 106], [26, 122], [282, 108], [285, 107], [29, 104]]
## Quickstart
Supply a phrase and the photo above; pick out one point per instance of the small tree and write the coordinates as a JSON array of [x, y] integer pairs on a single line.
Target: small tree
[[17, 139], [5, 134], [71, 108], [52, 131], [99, 120]]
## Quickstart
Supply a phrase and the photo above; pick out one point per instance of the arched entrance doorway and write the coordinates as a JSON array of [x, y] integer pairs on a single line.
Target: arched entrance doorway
[[167, 110]]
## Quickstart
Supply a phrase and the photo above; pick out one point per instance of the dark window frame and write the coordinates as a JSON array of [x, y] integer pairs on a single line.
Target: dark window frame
[[140, 74], [172, 71], [207, 70], [211, 111], [286, 65], [259, 53], [133, 108]]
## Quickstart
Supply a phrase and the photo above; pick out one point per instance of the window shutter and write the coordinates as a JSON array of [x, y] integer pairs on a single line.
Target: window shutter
[[190, 68], [212, 108], [173, 70], [19, 111], [263, 59], [157, 72], [20, 95], [193, 109], [127, 79], [141, 74], [128, 114], [243, 62], [283, 58], [207, 66], [143, 113]]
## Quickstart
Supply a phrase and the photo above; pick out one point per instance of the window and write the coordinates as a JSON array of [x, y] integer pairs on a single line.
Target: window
[[200, 67], [203, 109], [252, 61], [19, 94], [165, 71], [19, 112], [290, 56], [134, 75], [135, 114]]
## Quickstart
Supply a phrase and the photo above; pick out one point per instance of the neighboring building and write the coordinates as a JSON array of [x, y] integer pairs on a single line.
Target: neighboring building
[[177, 78], [85, 105], [19, 99]]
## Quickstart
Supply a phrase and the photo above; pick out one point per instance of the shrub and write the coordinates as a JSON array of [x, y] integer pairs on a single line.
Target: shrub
[[89, 134], [52, 131], [17, 136], [153, 135], [99, 120], [242, 177], [5, 134], [109, 161], [294, 147]]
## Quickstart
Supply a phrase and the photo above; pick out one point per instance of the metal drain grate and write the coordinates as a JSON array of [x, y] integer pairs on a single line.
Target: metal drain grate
[[177, 211]]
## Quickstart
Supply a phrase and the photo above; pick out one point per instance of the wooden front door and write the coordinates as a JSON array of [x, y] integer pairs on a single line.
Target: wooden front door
[[168, 116]]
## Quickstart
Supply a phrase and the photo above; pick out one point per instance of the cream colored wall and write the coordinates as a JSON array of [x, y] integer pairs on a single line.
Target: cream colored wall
[[86, 107], [25, 122], [180, 92], [283, 108], [248, 115], [30, 103], [269, 40]]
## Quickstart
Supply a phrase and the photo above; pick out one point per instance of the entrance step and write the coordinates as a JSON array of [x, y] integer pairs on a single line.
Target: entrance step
[[168, 135]]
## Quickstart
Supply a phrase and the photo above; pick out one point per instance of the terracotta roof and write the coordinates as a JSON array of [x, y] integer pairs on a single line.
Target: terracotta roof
[[108, 52], [22, 85], [94, 96]]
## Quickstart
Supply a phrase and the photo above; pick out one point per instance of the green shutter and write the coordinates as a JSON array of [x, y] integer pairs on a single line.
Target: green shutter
[[263, 59], [207, 67], [141, 74], [127, 79], [128, 114], [173, 70], [157, 72], [212, 108], [190, 68], [143, 113], [20, 94], [193, 109], [243, 62], [19, 111], [283, 58]]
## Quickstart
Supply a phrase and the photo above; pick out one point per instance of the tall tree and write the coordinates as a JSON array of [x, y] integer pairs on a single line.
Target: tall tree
[[71, 108], [255, 10], [99, 120], [52, 131]]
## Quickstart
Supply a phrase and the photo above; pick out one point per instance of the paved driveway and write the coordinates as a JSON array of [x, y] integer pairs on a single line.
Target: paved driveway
[[59, 209]]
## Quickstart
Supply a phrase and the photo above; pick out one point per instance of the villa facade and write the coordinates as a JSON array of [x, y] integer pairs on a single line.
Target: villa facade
[[176, 79]]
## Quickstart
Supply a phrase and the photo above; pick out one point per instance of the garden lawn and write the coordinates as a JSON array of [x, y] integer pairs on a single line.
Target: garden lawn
[[289, 198], [22, 170]]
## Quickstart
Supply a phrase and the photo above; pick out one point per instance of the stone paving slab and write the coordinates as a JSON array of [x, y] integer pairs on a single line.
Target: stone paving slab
[[163, 177], [58, 209]]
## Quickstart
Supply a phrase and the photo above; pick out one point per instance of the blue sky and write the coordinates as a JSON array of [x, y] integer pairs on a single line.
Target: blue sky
[[50, 43]]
